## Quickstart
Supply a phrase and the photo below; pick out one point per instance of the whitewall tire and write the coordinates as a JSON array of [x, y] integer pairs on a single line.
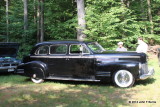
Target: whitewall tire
[[123, 79], [37, 80]]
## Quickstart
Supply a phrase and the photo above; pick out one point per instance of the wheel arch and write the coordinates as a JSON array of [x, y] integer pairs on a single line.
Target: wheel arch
[[34, 67], [129, 66], [113, 67]]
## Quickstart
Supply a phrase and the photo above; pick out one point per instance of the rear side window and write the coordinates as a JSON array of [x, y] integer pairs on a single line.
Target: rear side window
[[43, 50], [58, 49]]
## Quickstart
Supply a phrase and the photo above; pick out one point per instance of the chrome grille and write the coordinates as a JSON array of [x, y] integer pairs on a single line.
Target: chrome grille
[[8, 64], [144, 69]]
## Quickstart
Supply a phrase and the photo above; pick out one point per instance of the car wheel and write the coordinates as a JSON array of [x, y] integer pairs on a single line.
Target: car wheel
[[37, 80], [123, 79]]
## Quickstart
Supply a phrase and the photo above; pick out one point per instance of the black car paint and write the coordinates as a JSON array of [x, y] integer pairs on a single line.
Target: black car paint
[[94, 66]]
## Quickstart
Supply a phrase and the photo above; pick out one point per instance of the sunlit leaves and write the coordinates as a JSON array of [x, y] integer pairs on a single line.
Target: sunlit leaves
[[111, 25]]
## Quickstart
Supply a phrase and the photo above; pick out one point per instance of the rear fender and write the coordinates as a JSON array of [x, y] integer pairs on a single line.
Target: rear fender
[[35, 67]]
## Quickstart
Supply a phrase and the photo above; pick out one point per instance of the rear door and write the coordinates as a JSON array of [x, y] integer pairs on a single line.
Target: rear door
[[41, 54], [57, 61]]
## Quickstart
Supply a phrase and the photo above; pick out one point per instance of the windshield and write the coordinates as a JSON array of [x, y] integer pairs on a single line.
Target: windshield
[[95, 47]]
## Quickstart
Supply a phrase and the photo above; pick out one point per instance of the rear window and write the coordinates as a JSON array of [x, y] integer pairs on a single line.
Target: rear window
[[43, 50]]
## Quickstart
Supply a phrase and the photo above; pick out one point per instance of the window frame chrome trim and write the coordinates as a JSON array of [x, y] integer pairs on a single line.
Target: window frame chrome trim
[[42, 54], [78, 53]]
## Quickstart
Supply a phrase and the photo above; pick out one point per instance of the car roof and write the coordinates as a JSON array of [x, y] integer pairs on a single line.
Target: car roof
[[62, 42]]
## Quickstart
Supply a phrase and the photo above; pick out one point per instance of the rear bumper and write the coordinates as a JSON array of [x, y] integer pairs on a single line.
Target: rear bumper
[[149, 74]]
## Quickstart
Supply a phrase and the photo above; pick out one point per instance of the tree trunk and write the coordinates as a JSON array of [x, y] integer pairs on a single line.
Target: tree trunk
[[126, 3], [81, 20], [42, 21], [35, 16], [143, 15], [25, 15], [7, 21], [150, 15], [38, 22]]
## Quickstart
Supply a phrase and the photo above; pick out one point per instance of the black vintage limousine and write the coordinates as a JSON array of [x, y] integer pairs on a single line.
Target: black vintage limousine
[[83, 61]]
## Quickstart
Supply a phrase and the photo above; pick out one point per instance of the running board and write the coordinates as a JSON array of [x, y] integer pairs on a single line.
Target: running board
[[72, 79]]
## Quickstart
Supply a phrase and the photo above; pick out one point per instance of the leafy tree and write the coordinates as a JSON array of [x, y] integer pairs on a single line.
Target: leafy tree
[[60, 20], [109, 22]]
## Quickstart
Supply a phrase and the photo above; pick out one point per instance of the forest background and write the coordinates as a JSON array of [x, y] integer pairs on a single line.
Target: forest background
[[107, 21]]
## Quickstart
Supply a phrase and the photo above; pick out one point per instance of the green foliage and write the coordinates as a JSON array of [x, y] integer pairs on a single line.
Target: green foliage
[[16, 32], [111, 24], [108, 22], [60, 19]]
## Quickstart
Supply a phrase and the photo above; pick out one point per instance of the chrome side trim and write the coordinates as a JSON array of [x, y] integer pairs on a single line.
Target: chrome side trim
[[73, 79], [103, 74], [118, 57], [68, 56]]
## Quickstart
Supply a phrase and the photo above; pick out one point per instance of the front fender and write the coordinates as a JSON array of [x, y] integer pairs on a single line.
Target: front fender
[[112, 67], [34, 67]]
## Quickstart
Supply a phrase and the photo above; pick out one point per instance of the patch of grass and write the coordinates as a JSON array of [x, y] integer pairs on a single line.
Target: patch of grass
[[19, 91]]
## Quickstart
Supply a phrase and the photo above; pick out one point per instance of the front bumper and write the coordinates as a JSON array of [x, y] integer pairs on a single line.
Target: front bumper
[[20, 71], [8, 69], [149, 74]]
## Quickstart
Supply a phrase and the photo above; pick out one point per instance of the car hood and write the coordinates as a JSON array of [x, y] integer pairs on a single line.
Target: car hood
[[8, 50], [128, 55]]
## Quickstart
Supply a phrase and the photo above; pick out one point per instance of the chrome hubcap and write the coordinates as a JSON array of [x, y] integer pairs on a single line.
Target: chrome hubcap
[[123, 78]]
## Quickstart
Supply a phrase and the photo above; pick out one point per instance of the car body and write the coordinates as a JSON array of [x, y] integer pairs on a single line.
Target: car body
[[8, 54], [83, 61]]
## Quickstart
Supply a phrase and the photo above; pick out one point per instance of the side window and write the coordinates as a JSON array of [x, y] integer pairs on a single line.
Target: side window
[[43, 50], [58, 49], [85, 51], [77, 49]]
